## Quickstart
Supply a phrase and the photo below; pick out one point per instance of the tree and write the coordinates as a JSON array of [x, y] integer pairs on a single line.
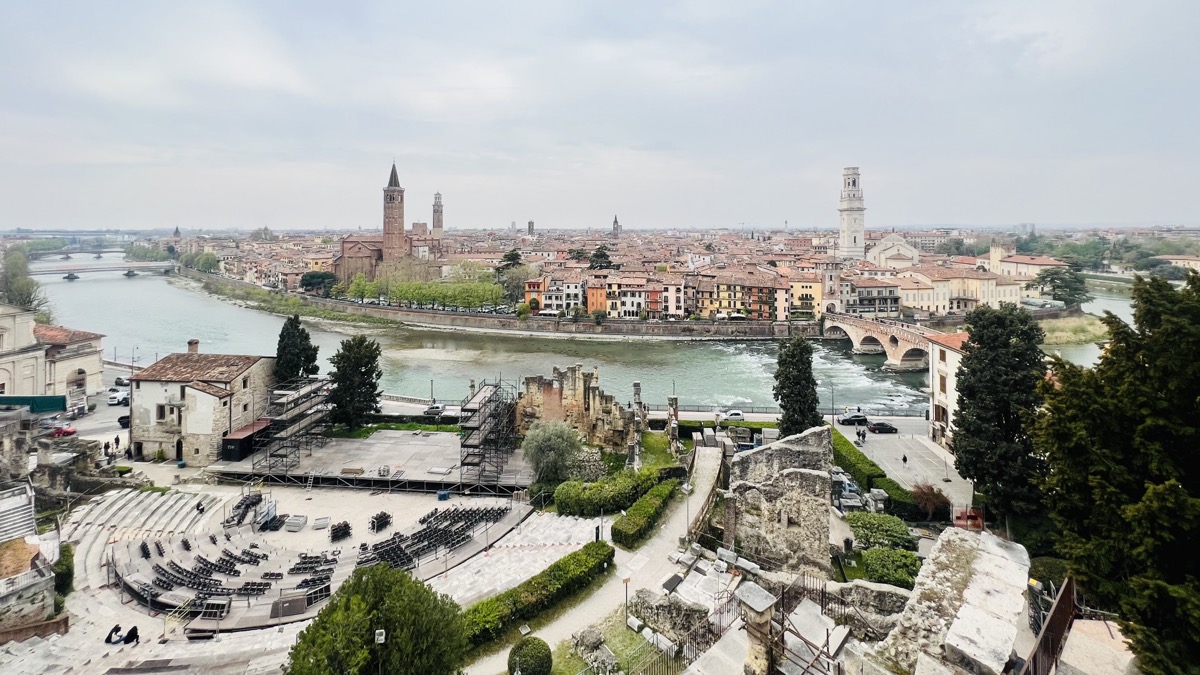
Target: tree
[[425, 631], [600, 260], [1169, 272], [1065, 285], [577, 254], [534, 305], [932, 501], [295, 354], [997, 397], [530, 656], [510, 260], [599, 315], [952, 246], [355, 381], [310, 281], [358, 287], [1124, 479], [551, 448], [796, 388], [513, 281], [207, 262]]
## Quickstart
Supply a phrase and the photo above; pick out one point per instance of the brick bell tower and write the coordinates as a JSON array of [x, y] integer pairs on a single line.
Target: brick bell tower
[[393, 218]]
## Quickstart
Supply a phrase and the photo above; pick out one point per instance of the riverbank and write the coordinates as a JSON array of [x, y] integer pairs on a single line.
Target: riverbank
[[254, 297], [1075, 330]]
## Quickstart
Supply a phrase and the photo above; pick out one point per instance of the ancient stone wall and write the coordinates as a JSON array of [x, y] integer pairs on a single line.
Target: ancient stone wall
[[30, 604], [670, 615], [575, 397]]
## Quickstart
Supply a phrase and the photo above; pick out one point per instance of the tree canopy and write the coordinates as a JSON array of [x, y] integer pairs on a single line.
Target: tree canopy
[[424, 631], [510, 260], [207, 262], [1121, 441], [295, 354], [796, 388], [599, 259], [321, 281], [1065, 285], [355, 381], [551, 448], [997, 397]]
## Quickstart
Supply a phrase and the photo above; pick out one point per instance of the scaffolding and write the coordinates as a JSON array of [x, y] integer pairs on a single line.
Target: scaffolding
[[297, 418], [488, 432]]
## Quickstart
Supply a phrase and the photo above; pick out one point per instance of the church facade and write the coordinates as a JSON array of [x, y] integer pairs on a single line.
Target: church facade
[[372, 254]]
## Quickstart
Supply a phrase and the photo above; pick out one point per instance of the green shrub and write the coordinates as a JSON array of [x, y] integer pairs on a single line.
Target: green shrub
[[64, 570], [487, 619], [637, 522], [1046, 569], [531, 656], [123, 470], [854, 462], [879, 529], [60, 603], [890, 566], [900, 501], [610, 494]]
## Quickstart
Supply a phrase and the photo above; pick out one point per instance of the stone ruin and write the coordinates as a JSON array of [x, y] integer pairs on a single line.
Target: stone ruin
[[670, 615], [589, 645], [779, 494], [575, 397]]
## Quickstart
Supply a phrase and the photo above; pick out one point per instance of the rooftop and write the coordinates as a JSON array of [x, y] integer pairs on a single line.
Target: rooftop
[[954, 341], [188, 367], [61, 335]]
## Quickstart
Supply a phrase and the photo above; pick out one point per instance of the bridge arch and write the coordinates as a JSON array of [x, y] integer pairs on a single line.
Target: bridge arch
[[905, 345]]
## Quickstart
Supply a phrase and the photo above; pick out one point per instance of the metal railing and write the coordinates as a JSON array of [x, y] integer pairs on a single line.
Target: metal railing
[[1055, 627]]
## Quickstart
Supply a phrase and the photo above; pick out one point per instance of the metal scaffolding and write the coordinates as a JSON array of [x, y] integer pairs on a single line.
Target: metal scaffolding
[[297, 418], [488, 424]]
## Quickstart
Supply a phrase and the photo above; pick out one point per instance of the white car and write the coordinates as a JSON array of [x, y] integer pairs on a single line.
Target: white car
[[119, 398], [435, 410], [733, 416]]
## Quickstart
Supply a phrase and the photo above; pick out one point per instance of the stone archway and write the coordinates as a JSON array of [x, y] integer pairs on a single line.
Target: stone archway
[[77, 379], [869, 344]]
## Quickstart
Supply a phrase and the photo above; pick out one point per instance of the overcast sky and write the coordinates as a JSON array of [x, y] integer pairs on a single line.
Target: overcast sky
[[695, 114]]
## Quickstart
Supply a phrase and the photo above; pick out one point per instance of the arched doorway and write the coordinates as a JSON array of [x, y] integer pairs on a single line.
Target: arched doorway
[[179, 450], [78, 380]]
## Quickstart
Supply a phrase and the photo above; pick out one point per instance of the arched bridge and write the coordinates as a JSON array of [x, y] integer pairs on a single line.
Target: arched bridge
[[75, 252], [139, 267], [906, 345]]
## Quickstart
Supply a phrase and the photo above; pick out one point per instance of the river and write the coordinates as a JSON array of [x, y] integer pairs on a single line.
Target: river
[[147, 317]]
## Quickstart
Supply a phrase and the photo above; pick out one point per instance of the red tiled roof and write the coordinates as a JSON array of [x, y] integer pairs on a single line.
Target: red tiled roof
[[61, 335], [954, 341], [188, 367]]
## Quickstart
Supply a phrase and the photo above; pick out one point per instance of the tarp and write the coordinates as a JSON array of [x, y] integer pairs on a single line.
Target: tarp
[[37, 404]]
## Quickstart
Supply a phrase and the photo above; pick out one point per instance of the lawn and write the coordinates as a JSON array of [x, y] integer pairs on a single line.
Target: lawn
[[623, 642], [366, 431], [656, 450]]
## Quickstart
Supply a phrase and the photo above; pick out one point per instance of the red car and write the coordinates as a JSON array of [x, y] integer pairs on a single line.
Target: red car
[[62, 430]]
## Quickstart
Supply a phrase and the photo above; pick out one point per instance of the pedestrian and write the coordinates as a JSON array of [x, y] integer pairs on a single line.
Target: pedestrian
[[860, 408], [114, 635], [117, 442], [128, 453], [107, 447], [132, 636], [904, 458]]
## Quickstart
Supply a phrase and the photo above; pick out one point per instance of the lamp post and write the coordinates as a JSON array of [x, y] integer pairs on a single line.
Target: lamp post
[[380, 638], [625, 580]]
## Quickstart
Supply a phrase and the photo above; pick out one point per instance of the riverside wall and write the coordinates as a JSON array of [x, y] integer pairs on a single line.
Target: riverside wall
[[586, 328]]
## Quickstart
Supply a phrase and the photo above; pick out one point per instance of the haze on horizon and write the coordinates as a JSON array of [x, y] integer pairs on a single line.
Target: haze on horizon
[[692, 114]]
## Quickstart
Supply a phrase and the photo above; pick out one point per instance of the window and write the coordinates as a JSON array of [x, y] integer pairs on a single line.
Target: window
[[942, 355], [245, 381], [196, 451], [942, 383], [160, 412], [245, 407], [224, 404]]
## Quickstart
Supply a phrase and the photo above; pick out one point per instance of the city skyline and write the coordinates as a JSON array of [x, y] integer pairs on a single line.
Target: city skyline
[[690, 116]]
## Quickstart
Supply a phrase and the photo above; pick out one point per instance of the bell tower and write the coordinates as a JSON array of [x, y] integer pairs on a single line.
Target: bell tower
[[851, 219], [437, 215], [393, 218]]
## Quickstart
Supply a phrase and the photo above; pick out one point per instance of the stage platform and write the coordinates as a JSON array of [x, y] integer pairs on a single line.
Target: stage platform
[[403, 461]]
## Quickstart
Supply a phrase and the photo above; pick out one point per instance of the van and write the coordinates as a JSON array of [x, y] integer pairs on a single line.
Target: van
[[548, 312]]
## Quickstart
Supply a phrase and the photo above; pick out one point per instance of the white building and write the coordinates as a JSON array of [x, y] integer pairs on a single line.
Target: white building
[[894, 253], [945, 356], [74, 363], [851, 217], [22, 357]]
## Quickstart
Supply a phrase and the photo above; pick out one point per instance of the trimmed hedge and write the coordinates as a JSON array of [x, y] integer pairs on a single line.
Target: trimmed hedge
[[637, 522], [879, 529], [488, 619], [891, 566], [868, 475], [900, 501], [610, 494]]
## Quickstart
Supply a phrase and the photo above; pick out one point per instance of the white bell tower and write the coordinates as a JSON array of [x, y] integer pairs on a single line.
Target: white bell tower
[[851, 237]]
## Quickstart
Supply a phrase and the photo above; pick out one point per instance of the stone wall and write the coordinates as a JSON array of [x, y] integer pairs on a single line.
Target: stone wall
[[574, 396], [28, 605], [781, 494], [670, 615]]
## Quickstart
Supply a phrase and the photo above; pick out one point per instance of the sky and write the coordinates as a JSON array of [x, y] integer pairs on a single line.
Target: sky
[[696, 114]]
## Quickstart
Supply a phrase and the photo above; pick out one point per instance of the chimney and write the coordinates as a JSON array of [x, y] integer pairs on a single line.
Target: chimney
[[193, 346]]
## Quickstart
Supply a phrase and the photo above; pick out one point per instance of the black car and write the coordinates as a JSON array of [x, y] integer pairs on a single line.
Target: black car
[[123, 420], [857, 419], [882, 428], [121, 382]]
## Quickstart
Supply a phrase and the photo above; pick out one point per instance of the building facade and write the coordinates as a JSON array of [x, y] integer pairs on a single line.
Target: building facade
[[945, 356], [851, 217], [22, 357]]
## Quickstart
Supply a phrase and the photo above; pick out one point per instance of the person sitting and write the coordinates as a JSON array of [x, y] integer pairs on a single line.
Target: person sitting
[[114, 635], [132, 637]]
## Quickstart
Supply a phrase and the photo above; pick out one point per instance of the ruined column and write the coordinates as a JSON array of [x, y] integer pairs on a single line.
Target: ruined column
[[757, 606]]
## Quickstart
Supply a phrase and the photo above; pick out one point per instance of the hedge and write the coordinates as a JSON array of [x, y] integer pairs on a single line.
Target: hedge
[[488, 619], [854, 462], [879, 529], [637, 522], [891, 566], [610, 494]]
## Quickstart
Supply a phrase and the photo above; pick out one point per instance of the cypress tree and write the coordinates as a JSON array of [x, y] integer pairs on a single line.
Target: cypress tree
[[295, 354], [796, 388]]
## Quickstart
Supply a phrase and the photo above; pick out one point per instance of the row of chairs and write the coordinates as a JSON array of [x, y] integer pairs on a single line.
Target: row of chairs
[[253, 588], [380, 522], [222, 565], [243, 508], [340, 531], [272, 575]]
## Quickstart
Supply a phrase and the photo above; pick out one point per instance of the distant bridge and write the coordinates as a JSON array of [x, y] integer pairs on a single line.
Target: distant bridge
[[73, 251], [151, 267], [906, 345]]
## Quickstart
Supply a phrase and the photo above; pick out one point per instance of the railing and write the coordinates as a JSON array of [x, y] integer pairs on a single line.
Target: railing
[[26, 578], [1050, 639], [650, 660], [397, 398]]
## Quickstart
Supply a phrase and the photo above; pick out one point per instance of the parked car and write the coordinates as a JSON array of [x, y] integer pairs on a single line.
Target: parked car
[[119, 398], [733, 416], [121, 382], [435, 409], [857, 419], [62, 429], [123, 420], [882, 428]]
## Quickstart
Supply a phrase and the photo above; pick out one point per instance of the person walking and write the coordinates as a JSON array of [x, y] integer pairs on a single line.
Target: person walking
[[904, 458], [117, 442]]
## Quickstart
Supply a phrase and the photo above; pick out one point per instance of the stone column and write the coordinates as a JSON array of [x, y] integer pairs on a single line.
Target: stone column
[[758, 605]]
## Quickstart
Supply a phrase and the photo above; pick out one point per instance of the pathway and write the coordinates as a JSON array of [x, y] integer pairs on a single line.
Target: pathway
[[649, 566]]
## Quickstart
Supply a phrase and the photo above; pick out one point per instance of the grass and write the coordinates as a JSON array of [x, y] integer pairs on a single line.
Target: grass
[[1074, 330], [858, 571], [366, 431], [282, 303], [623, 642], [656, 450]]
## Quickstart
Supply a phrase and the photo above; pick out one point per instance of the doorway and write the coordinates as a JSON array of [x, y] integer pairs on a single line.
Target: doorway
[[179, 450]]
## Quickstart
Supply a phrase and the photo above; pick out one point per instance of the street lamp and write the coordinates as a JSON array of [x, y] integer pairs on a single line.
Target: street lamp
[[380, 638], [625, 580]]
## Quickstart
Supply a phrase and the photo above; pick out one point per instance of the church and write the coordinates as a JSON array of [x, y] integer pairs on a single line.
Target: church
[[374, 254]]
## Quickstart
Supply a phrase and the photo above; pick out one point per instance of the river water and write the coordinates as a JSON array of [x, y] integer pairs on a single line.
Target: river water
[[148, 316]]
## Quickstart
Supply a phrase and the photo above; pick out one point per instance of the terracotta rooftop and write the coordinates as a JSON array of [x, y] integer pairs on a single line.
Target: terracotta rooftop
[[210, 389], [1033, 260], [61, 335], [954, 341], [188, 367]]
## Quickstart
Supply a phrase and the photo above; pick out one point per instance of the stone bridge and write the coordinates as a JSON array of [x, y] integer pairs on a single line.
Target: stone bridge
[[906, 345]]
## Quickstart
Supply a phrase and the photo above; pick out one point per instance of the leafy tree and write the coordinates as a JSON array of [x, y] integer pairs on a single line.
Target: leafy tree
[[338, 290], [358, 286], [425, 631], [997, 397], [796, 388], [577, 254], [1065, 285], [600, 260], [188, 260], [207, 262], [295, 354], [317, 280], [513, 281], [891, 566], [879, 529], [530, 656], [1169, 272], [952, 246], [510, 260], [551, 448], [1124, 481], [708, 246], [20, 289], [599, 315], [355, 381], [534, 305], [522, 311], [576, 313], [932, 501]]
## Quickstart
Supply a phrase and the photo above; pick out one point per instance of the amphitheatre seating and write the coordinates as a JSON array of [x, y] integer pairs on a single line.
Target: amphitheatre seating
[[442, 530], [340, 531], [242, 509]]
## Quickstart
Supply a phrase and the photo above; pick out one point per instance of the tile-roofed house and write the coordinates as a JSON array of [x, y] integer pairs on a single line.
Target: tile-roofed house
[[74, 363], [945, 356], [184, 404]]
